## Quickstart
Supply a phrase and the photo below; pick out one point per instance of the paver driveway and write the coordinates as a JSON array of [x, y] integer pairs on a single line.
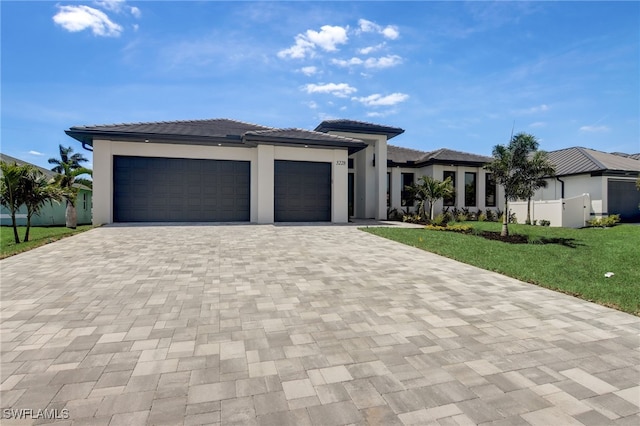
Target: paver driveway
[[299, 325]]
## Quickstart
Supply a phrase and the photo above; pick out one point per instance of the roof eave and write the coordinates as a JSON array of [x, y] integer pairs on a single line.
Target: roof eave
[[253, 139], [88, 136]]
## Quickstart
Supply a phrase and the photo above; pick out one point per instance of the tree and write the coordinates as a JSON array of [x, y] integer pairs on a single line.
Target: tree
[[507, 168], [12, 191], [429, 190], [69, 167], [37, 191], [535, 170]]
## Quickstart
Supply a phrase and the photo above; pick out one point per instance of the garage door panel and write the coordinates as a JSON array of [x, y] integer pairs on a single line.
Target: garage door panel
[[623, 199], [302, 191], [150, 189]]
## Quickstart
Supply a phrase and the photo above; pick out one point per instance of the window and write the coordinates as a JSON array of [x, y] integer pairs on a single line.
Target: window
[[84, 199], [407, 180], [469, 189], [490, 190], [450, 200]]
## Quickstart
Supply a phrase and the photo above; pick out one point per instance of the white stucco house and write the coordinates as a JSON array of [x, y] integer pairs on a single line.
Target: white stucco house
[[224, 170], [588, 184]]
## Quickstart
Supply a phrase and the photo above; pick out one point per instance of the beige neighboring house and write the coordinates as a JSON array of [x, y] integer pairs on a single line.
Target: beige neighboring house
[[52, 214], [223, 170], [588, 184]]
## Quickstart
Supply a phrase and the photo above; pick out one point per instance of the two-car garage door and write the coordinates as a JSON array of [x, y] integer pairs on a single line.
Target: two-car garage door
[[151, 189]]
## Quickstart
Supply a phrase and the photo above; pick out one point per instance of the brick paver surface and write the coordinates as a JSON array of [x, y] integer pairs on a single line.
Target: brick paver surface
[[277, 325]]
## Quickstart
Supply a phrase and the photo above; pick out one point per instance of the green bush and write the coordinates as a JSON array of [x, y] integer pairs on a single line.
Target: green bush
[[465, 229], [461, 217], [482, 217], [439, 220], [544, 222], [605, 222]]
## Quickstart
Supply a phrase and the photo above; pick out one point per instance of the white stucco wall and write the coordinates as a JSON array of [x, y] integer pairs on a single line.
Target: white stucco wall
[[370, 181]]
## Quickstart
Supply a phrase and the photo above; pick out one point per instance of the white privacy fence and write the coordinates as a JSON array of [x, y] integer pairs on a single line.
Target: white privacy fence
[[566, 212]]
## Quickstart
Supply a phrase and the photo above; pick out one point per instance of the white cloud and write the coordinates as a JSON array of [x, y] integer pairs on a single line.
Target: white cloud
[[36, 153], [308, 71], [383, 62], [327, 39], [347, 63], [594, 129], [536, 109], [390, 31], [369, 49], [342, 90], [78, 18], [378, 100], [118, 6]]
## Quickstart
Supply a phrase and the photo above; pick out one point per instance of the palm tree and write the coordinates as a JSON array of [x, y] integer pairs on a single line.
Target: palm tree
[[507, 166], [69, 168], [12, 191], [429, 190], [37, 192], [535, 170]]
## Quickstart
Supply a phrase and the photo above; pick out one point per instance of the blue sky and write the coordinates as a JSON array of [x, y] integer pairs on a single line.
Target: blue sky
[[452, 74]]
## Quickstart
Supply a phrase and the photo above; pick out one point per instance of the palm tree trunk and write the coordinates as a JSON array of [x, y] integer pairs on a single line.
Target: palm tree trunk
[[71, 216], [26, 233], [505, 219], [16, 237], [528, 221]]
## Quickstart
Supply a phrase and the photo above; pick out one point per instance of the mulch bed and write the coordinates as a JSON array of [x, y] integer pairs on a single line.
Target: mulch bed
[[511, 238]]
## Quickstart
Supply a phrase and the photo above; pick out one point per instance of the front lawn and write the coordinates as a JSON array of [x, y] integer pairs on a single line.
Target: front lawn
[[38, 236], [573, 261]]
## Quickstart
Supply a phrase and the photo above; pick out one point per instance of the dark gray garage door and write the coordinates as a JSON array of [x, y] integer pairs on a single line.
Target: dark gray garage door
[[302, 191], [623, 199], [150, 189]]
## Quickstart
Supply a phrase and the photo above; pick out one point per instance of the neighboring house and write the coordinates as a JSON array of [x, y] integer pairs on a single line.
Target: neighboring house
[[608, 180], [223, 170], [52, 214]]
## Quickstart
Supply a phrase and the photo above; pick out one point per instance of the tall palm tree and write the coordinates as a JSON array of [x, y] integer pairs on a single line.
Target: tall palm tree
[[37, 192], [507, 166], [429, 190], [12, 191], [69, 167], [534, 173]]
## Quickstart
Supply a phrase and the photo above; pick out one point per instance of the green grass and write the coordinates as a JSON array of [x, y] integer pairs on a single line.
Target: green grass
[[576, 268], [38, 236]]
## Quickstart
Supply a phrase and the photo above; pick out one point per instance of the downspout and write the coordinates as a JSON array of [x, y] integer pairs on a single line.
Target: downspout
[[85, 146], [561, 186]]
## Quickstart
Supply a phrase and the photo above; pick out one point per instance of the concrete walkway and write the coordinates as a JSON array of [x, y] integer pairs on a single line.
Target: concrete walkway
[[297, 325]]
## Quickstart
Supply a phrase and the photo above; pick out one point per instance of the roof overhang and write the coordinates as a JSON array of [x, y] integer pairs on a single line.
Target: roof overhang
[[358, 127], [88, 136]]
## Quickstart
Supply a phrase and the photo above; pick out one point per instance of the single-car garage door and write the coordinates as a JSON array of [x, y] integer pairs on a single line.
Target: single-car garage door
[[623, 199], [150, 189], [302, 191]]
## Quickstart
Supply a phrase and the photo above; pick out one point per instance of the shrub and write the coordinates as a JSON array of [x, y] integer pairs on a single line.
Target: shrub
[[482, 217], [544, 222], [512, 218], [461, 217], [411, 218], [491, 216], [439, 220], [464, 229], [605, 222]]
